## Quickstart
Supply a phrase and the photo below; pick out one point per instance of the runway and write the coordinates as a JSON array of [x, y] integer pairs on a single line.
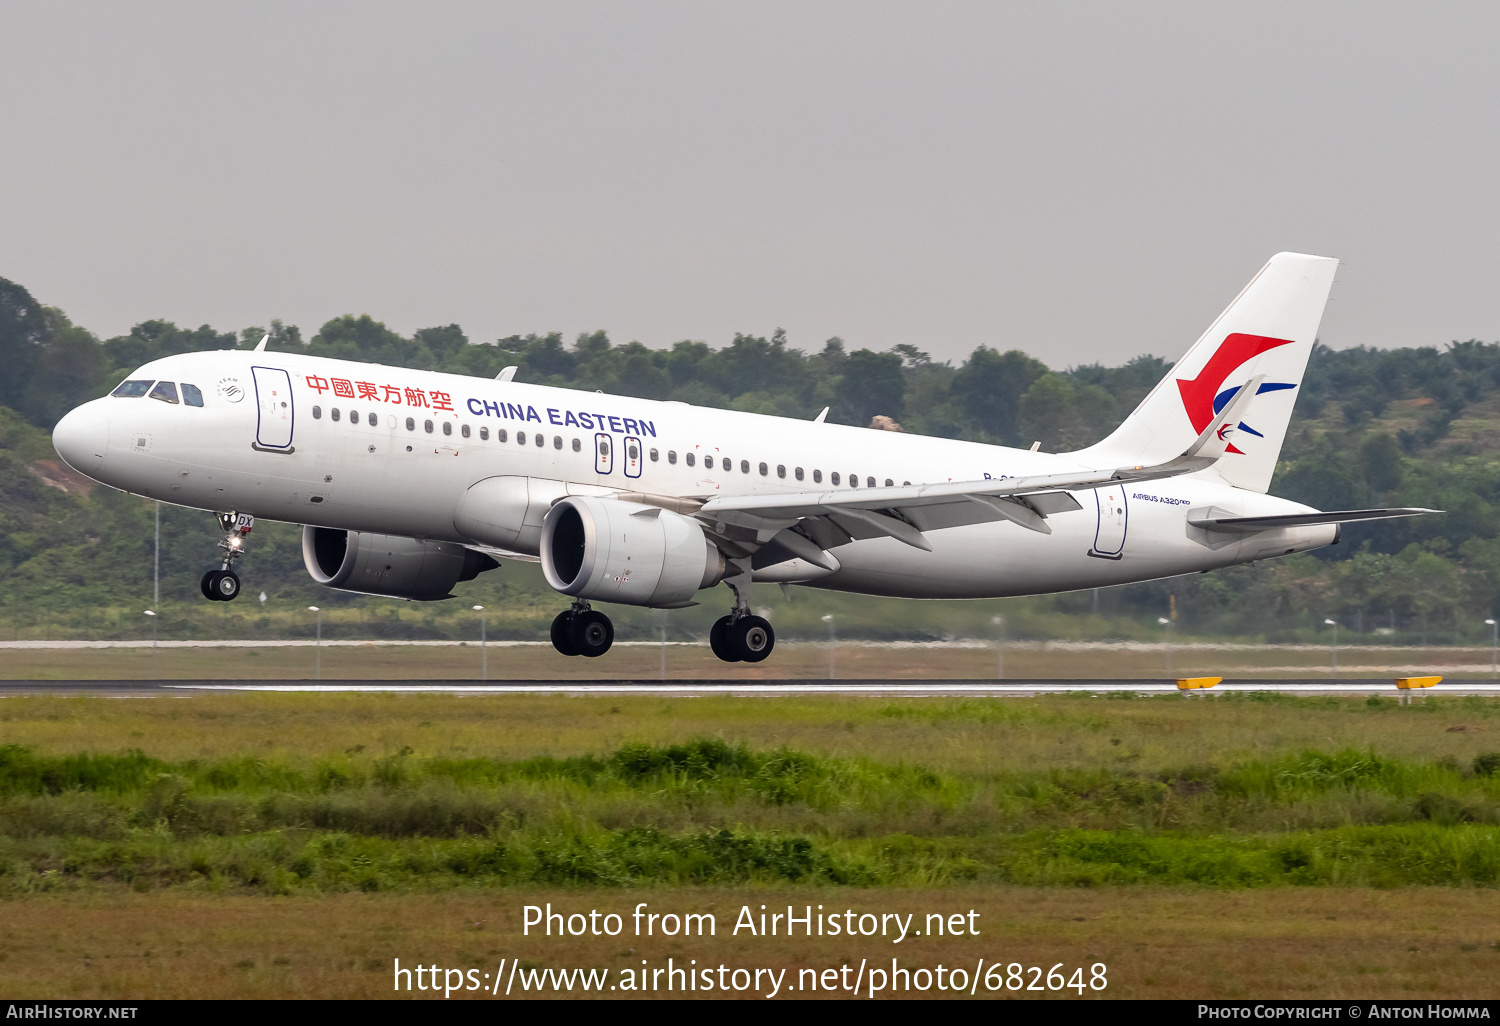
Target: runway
[[933, 688]]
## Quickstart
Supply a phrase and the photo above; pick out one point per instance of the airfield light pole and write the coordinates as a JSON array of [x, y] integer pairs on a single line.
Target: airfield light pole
[[318, 645], [1335, 649], [484, 652], [156, 562], [661, 625], [152, 613], [999, 622], [1167, 632], [1494, 648], [832, 649]]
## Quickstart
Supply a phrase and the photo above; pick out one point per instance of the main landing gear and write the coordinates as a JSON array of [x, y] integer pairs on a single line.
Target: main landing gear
[[223, 584], [582, 631], [741, 637], [746, 640]]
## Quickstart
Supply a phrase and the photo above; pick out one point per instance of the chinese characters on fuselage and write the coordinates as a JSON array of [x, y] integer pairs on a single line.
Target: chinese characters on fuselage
[[443, 401]]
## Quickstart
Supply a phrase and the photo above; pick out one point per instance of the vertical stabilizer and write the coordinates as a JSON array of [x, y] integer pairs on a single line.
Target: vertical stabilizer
[[1266, 333]]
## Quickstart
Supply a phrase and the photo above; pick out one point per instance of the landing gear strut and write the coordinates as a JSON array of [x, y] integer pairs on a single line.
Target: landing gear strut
[[741, 637], [223, 584], [582, 631]]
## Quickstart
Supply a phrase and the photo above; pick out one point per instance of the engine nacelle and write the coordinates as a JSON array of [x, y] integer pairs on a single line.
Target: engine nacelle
[[387, 564], [615, 551]]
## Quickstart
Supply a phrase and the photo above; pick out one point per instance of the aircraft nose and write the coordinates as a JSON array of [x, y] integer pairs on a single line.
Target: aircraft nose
[[81, 436]]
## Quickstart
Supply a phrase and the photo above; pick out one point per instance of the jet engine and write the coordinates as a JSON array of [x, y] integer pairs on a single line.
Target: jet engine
[[386, 564], [614, 551]]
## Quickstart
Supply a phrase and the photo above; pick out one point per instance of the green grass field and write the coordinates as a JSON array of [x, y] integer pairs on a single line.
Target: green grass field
[[303, 809]]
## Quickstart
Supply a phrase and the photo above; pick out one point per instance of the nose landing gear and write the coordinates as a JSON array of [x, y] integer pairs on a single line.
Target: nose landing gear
[[223, 584], [583, 631]]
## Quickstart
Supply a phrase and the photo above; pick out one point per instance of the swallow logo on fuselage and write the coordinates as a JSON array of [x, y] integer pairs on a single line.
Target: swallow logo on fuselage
[[1204, 397]]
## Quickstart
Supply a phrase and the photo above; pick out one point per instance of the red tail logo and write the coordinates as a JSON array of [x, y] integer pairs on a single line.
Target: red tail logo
[[1201, 397]]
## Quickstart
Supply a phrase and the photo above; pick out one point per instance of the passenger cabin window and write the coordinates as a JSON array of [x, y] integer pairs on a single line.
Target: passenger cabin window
[[484, 434], [192, 394], [427, 426], [888, 482], [870, 482], [744, 466], [853, 480], [780, 470], [500, 435], [834, 477], [577, 445], [334, 413], [132, 389], [557, 441], [654, 456], [672, 456], [817, 477], [166, 391], [633, 451], [689, 457], [764, 470], [411, 423], [798, 472], [317, 413], [464, 430], [374, 420], [447, 427]]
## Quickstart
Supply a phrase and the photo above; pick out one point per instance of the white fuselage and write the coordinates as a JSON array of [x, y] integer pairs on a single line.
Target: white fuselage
[[395, 461]]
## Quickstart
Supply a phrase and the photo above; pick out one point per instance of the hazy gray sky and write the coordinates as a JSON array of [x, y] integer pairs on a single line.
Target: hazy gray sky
[[1082, 181]]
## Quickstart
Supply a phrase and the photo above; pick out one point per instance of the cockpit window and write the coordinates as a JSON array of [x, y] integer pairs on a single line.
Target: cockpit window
[[132, 389], [191, 394], [166, 391]]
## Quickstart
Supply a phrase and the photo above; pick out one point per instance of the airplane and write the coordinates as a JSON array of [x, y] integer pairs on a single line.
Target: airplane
[[408, 482]]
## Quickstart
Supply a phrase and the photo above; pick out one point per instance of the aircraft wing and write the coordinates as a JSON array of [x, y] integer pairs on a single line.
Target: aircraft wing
[[805, 524]]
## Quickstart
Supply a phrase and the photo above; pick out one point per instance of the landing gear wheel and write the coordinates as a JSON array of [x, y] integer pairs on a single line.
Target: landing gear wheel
[[592, 633], [562, 633], [718, 640], [752, 638], [225, 586]]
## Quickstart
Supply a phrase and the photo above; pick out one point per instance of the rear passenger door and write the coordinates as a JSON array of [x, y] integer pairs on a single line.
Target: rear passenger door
[[1114, 514]]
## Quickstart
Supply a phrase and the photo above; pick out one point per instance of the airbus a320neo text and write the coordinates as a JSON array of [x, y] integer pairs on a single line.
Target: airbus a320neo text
[[408, 482]]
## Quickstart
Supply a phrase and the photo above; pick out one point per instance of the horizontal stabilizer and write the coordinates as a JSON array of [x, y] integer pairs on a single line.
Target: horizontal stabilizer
[[1250, 525]]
